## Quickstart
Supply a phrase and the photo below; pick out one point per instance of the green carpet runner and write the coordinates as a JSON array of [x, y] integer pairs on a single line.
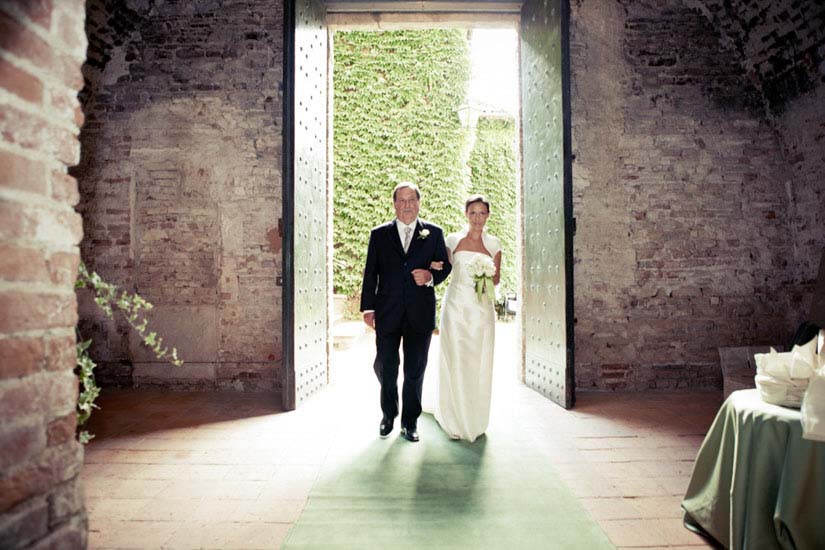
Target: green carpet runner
[[391, 494]]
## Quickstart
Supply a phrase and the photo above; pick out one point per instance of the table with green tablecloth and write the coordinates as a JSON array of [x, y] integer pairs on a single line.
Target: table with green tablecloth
[[756, 482]]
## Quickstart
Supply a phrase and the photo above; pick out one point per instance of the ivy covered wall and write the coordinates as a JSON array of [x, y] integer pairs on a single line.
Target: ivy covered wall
[[395, 118], [493, 174], [396, 98]]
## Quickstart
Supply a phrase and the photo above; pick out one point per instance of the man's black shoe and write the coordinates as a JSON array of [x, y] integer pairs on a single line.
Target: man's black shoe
[[385, 428], [410, 434]]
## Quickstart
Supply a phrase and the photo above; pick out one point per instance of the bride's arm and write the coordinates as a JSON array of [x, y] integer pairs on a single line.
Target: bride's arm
[[438, 266], [497, 261]]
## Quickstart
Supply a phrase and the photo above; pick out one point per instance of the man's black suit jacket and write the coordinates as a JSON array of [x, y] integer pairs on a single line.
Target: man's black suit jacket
[[389, 288]]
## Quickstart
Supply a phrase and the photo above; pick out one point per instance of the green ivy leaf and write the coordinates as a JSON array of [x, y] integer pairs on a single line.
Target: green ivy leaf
[[130, 305]]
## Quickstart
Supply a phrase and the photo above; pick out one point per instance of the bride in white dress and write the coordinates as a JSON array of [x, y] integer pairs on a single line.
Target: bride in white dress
[[465, 366]]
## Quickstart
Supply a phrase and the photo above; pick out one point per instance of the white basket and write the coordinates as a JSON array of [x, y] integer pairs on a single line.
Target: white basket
[[780, 392]]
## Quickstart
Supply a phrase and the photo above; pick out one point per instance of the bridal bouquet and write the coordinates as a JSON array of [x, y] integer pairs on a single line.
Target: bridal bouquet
[[482, 270]]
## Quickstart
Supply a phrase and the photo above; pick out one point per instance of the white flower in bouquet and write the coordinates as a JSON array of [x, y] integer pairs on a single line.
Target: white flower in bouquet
[[483, 270]]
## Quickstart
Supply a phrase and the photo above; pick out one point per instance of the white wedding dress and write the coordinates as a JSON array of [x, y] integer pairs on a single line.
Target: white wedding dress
[[467, 339]]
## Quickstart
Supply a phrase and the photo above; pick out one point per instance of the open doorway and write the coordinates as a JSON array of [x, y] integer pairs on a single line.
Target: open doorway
[[543, 128], [437, 106]]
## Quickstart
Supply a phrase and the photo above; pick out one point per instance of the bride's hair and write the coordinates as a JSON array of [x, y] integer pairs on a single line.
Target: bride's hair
[[474, 199]]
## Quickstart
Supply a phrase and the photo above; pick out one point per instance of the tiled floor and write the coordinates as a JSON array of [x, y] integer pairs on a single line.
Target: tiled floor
[[226, 470]]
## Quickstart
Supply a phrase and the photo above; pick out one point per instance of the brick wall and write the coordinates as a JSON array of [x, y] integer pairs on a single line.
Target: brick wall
[[604, 259], [42, 46], [801, 127], [783, 53], [781, 44], [692, 232], [686, 234], [181, 187]]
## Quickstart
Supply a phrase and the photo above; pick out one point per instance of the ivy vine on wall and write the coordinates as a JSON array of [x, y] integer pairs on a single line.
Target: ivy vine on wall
[[133, 309], [396, 98], [493, 174]]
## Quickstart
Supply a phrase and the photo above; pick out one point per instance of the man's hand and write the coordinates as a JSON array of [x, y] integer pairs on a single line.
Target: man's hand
[[369, 319], [422, 276]]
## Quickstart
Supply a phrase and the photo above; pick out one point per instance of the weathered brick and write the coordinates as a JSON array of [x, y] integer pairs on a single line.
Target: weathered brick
[[21, 356], [70, 226], [39, 135], [15, 221], [63, 268], [61, 353], [20, 397], [79, 118], [67, 146], [39, 11], [20, 311], [65, 500], [64, 188], [21, 440], [71, 534], [70, 31], [25, 524], [22, 264], [54, 466], [38, 390], [59, 394], [32, 223], [18, 172], [64, 102], [22, 42], [62, 429], [69, 71], [19, 82]]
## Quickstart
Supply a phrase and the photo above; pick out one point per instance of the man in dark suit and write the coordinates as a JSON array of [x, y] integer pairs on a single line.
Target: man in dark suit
[[398, 301]]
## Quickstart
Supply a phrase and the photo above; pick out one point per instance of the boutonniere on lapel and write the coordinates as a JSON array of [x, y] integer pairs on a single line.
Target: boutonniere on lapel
[[424, 233]]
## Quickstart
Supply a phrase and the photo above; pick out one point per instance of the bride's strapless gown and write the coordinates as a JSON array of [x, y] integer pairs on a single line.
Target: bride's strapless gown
[[465, 367]]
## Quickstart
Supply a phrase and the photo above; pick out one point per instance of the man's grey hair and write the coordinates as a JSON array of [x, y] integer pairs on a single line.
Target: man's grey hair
[[407, 185]]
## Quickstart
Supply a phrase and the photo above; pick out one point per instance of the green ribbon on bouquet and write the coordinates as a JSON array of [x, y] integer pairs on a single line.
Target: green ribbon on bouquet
[[484, 285]]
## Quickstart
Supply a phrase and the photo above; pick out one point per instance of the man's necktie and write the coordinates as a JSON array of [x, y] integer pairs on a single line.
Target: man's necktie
[[407, 234]]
